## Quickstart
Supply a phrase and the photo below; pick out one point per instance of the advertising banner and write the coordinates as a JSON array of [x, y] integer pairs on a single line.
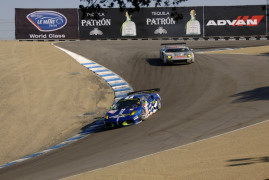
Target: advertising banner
[[235, 20], [267, 19], [106, 26], [208, 21], [147, 23], [46, 24], [158, 22]]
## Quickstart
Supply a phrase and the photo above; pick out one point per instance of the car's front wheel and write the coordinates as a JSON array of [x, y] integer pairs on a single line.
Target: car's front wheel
[[192, 60], [143, 115]]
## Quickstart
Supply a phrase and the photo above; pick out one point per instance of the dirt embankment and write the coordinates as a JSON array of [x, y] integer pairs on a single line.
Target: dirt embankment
[[260, 50], [43, 92]]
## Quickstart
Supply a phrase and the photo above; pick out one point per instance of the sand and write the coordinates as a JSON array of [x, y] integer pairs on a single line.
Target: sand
[[43, 94], [260, 50]]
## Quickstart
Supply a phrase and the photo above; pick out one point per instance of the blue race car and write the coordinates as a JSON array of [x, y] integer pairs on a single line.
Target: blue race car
[[134, 108]]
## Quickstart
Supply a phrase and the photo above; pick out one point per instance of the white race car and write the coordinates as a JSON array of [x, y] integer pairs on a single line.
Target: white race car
[[176, 53]]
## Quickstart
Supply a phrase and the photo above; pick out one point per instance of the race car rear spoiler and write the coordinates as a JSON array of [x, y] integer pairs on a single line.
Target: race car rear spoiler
[[145, 91], [165, 44]]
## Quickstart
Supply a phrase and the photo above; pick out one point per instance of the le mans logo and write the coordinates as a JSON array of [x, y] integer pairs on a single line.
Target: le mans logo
[[47, 21]]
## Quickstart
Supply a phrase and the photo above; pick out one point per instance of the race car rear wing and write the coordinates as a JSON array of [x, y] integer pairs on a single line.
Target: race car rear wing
[[166, 44], [144, 91]]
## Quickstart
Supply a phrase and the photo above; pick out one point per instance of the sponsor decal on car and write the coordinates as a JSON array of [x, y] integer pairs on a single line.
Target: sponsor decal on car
[[112, 111], [47, 21]]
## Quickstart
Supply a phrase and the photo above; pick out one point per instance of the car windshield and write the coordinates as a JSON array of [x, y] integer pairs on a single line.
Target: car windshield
[[126, 104], [177, 50]]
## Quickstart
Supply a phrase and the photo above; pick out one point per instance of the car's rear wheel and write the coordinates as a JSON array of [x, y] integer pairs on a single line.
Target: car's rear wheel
[[159, 104], [143, 115]]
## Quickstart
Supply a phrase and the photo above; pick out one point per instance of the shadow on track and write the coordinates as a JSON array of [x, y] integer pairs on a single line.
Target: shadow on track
[[94, 127], [252, 95], [264, 54], [247, 161], [155, 62], [159, 62]]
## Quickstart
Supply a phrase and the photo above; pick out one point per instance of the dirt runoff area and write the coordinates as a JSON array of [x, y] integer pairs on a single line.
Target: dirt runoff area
[[260, 50], [44, 94], [242, 154]]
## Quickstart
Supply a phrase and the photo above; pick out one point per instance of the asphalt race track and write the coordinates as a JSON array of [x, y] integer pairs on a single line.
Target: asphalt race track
[[216, 94]]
